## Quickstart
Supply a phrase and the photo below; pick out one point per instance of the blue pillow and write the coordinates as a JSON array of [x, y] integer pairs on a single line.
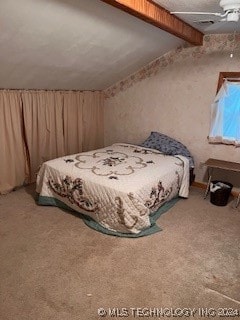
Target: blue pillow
[[167, 145]]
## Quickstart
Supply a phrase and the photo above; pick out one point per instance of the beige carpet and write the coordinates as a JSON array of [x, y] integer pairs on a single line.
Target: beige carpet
[[52, 266]]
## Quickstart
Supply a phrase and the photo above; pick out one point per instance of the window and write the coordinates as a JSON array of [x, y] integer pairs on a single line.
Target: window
[[225, 111]]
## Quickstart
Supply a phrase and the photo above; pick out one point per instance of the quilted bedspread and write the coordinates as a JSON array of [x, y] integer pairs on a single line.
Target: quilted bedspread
[[117, 186]]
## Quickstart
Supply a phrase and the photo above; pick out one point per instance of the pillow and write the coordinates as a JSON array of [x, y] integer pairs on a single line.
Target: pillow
[[167, 145]]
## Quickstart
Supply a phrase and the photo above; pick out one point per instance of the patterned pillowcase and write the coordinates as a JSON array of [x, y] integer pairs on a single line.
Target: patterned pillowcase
[[167, 145]]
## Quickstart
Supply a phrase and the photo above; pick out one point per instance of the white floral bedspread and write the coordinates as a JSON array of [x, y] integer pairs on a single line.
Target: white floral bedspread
[[118, 186]]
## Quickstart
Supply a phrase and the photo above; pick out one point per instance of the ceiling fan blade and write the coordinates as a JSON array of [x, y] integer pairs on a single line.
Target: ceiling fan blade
[[204, 22], [217, 14]]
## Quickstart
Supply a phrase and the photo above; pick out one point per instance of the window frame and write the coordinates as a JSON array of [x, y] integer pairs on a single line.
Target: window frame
[[230, 76]]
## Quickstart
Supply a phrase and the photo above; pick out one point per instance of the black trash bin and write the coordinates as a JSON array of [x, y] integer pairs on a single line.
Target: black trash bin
[[220, 192]]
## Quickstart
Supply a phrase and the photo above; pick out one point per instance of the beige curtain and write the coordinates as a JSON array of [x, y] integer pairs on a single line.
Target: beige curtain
[[37, 125], [72, 120], [43, 121], [13, 163], [92, 120]]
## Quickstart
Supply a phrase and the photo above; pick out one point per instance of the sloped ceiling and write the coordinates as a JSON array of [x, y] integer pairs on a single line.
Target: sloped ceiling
[[76, 44]]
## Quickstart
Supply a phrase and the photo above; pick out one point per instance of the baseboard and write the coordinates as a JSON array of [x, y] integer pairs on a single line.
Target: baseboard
[[202, 185], [199, 185]]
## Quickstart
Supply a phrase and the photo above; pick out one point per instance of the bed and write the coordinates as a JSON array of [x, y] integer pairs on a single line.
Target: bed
[[119, 187]]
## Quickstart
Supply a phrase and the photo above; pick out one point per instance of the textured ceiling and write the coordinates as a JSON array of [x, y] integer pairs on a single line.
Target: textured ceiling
[[190, 5], [78, 44]]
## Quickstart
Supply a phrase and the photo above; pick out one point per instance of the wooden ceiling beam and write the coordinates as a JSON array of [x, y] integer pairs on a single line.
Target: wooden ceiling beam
[[150, 12]]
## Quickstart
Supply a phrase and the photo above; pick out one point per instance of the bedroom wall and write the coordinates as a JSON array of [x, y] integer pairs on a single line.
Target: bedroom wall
[[173, 95]]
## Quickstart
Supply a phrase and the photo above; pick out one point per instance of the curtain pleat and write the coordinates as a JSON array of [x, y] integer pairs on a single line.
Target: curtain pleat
[[13, 160], [72, 120], [43, 122], [36, 126], [92, 120]]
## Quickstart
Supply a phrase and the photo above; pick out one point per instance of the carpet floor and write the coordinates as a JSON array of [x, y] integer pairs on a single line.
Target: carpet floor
[[52, 266]]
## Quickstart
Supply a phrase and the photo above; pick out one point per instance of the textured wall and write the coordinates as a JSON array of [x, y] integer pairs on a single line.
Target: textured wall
[[173, 95]]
